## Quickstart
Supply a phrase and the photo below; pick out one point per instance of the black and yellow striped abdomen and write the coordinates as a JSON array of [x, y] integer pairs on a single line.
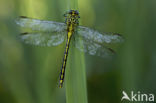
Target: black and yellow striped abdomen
[[62, 74]]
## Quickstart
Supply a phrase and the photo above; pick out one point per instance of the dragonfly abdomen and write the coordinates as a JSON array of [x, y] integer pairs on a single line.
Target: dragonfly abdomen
[[62, 74]]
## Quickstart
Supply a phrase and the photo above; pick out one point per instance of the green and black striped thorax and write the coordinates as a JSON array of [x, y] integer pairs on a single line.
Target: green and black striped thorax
[[71, 17]]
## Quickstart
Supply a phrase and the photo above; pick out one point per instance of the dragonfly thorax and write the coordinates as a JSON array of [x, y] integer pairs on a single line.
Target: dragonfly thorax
[[71, 18]]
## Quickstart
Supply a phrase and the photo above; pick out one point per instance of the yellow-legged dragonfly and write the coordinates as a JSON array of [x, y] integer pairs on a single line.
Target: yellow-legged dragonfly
[[51, 33]]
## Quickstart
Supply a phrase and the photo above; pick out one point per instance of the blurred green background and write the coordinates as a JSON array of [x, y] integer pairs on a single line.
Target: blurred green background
[[30, 74]]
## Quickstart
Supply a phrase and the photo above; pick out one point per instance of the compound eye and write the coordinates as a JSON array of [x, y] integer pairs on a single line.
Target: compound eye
[[70, 12], [76, 12]]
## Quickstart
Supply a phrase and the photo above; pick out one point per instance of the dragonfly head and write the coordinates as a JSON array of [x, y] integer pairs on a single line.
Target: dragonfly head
[[72, 17]]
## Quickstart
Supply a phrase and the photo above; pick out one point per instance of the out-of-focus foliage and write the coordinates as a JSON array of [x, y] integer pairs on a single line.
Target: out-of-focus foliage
[[29, 74]]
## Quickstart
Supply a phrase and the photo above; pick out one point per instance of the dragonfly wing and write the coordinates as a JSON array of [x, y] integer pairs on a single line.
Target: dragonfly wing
[[93, 48], [93, 35], [40, 25], [42, 39]]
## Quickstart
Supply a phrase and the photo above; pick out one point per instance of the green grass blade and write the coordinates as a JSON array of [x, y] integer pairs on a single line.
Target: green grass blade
[[75, 80]]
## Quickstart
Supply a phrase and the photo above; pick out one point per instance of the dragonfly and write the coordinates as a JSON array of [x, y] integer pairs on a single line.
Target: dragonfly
[[52, 33]]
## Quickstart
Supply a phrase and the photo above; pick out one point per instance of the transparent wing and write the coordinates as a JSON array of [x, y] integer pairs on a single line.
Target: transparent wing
[[42, 39], [93, 48], [40, 25], [95, 36], [93, 42]]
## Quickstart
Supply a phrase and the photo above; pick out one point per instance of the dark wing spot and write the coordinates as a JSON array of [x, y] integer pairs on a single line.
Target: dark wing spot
[[112, 50], [25, 33], [117, 34], [23, 17]]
